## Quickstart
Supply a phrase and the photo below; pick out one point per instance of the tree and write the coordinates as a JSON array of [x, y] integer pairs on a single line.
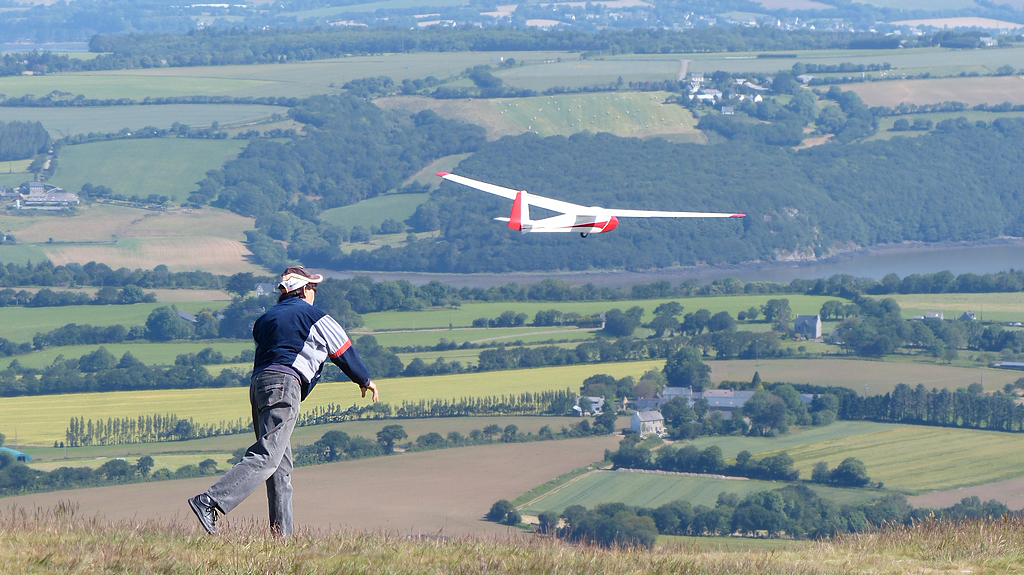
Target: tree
[[208, 467], [619, 324], [499, 510], [820, 473], [333, 445], [164, 324], [144, 465], [721, 321], [388, 436], [605, 423], [509, 434], [547, 521], [115, 470], [491, 430], [776, 310], [685, 368], [766, 411], [850, 473]]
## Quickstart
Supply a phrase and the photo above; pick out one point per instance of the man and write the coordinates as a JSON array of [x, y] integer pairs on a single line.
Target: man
[[293, 340]]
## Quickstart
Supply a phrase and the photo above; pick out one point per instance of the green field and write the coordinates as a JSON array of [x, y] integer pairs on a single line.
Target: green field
[[467, 312], [573, 72], [374, 211], [1000, 307], [107, 85], [20, 324], [917, 459], [102, 119], [162, 166], [625, 114], [918, 59], [653, 490], [798, 437], [479, 335], [296, 79], [20, 254], [23, 415]]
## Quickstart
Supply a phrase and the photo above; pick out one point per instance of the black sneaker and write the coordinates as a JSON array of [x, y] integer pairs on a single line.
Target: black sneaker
[[206, 510]]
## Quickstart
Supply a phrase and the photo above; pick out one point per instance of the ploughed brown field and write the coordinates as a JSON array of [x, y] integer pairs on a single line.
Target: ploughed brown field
[[1009, 492], [971, 91], [446, 491]]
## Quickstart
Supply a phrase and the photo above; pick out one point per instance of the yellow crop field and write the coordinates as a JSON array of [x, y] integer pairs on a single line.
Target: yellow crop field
[[42, 419]]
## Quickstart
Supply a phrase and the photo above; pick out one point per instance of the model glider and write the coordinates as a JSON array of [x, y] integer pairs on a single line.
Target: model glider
[[573, 218]]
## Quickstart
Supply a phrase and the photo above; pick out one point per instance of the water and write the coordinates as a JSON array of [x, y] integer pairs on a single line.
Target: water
[[48, 47], [872, 263]]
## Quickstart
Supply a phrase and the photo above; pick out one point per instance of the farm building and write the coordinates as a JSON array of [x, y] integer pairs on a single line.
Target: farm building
[[263, 289], [647, 422], [808, 326], [646, 403], [589, 406], [45, 196], [667, 394], [967, 316], [17, 455], [674, 392], [933, 315]]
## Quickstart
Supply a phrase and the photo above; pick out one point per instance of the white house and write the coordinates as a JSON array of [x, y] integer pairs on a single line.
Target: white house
[[647, 422], [808, 326]]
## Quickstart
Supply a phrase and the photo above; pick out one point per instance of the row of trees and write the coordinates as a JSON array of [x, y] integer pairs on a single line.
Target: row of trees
[[47, 274], [47, 297], [795, 511], [17, 478], [83, 432], [689, 459]]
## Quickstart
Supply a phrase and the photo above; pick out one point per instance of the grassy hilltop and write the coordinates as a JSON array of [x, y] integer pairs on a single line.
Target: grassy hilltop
[[57, 541]]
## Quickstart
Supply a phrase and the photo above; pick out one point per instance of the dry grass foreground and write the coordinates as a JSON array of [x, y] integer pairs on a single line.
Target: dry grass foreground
[[57, 540], [445, 491]]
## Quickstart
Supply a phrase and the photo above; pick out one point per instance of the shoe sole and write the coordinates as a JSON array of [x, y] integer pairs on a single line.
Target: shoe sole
[[212, 530]]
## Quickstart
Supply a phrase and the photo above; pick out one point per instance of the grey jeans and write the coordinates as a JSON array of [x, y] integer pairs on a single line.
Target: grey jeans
[[275, 401]]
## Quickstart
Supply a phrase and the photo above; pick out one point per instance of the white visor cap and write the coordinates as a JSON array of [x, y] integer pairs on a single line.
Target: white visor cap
[[292, 282]]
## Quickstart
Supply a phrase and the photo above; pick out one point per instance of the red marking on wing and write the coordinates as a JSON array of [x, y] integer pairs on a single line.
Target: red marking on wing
[[610, 225], [738, 216], [442, 174]]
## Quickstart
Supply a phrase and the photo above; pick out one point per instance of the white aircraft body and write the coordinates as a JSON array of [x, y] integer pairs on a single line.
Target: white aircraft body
[[573, 218]]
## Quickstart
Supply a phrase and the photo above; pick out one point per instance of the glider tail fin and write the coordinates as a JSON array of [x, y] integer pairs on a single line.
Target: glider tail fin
[[520, 212]]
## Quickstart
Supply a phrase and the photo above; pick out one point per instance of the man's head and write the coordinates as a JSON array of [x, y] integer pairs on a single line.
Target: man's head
[[297, 282]]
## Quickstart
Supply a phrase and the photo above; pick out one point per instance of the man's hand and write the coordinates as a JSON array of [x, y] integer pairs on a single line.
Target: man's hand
[[372, 387]]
